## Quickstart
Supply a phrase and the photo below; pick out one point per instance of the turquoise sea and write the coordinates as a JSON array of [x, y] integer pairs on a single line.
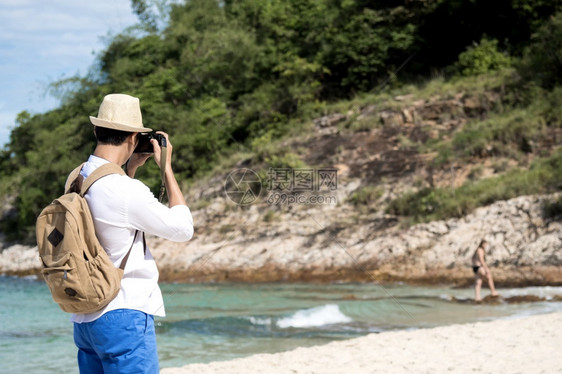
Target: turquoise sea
[[212, 322]]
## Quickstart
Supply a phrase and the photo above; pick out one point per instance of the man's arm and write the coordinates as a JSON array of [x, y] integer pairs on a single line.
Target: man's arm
[[136, 161], [146, 214]]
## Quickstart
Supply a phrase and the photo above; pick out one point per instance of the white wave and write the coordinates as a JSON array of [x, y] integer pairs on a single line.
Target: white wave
[[546, 291], [314, 317], [259, 321]]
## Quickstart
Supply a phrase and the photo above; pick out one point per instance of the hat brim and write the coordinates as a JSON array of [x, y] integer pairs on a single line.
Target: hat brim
[[117, 126]]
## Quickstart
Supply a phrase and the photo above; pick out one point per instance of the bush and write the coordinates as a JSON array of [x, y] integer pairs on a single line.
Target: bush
[[542, 61], [553, 110], [365, 196], [288, 160], [502, 135], [270, 216], [482, 58]]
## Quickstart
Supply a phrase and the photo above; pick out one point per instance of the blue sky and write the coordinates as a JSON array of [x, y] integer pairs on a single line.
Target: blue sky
[[42, 41]]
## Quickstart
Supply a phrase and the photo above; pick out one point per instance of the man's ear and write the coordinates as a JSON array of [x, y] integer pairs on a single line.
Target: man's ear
[[133, 138]]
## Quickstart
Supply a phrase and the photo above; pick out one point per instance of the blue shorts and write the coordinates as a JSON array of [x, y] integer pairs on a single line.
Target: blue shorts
[[121, 341]]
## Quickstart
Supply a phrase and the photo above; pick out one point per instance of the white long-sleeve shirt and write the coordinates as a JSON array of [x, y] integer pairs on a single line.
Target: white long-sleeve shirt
[[120, 206]]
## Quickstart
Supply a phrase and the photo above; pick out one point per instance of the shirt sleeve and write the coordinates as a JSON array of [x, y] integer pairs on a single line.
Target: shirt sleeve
[[146, 213]]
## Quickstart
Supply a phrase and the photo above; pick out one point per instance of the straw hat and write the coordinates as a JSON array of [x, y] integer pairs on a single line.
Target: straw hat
[[120, 112]]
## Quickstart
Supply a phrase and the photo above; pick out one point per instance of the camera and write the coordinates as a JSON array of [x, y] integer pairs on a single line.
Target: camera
[[144, 145]]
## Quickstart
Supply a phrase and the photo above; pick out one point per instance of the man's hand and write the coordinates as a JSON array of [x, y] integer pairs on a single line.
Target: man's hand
[[158, 150]]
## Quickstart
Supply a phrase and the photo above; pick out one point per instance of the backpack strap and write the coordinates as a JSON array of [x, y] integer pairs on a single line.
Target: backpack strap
[[102, 171], [124, 261], [72, 180]]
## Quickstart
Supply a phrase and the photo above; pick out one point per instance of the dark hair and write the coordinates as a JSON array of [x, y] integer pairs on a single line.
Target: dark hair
[[110, 136], [482, 243]]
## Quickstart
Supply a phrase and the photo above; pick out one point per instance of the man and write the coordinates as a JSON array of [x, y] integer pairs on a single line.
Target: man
[[120, 338], [481, 270]]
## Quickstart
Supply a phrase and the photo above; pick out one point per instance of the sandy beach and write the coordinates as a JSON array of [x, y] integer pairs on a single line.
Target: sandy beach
[[516, 345]]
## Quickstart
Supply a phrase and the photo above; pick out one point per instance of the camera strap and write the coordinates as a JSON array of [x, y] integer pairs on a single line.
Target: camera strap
[[163, 160]]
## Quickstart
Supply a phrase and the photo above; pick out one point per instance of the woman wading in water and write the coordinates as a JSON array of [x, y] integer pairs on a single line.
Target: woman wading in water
[[481, 270]]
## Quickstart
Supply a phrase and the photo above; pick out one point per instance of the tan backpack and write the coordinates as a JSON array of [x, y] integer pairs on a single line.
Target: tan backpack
[[78, 271]]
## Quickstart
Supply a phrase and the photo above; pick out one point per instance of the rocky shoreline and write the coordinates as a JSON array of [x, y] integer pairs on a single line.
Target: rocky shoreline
[[320, 244]]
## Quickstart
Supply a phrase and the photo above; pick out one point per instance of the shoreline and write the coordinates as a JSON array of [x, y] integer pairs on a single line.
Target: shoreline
[[511, 345], [504, 277], [23, 261], [544, 277]]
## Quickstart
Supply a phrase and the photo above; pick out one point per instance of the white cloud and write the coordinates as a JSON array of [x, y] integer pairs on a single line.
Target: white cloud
[[46, 40], [53, 15]]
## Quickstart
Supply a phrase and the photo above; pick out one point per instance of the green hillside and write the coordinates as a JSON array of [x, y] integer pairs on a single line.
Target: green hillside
[[231, 79]]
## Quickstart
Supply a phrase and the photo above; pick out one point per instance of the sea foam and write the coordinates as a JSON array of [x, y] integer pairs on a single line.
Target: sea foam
[[314, 317]]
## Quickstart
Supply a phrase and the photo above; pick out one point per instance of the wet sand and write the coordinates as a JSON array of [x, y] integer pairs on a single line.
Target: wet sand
[[517, 345]]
